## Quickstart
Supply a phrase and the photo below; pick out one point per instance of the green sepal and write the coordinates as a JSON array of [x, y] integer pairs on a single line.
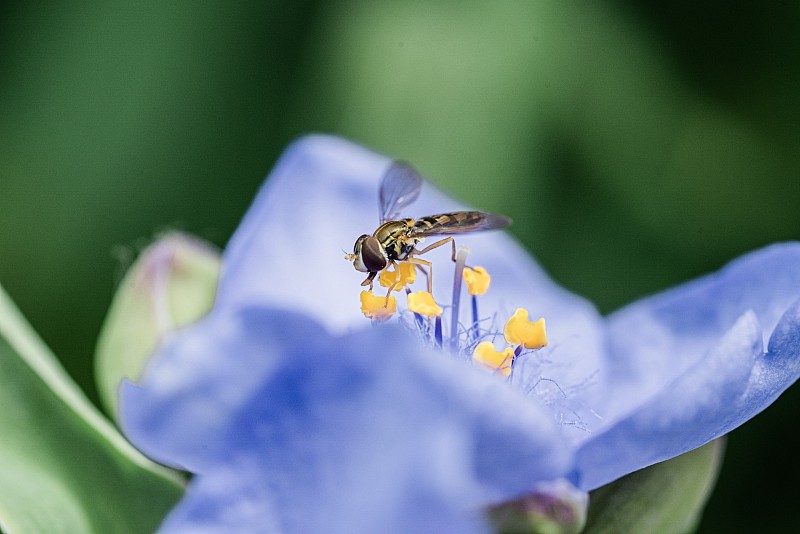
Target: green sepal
[[63, 466], [171, 284], [667, 497]]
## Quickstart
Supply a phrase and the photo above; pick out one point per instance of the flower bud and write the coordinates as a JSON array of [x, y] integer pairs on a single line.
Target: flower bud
[[171, 284], [555, 507]]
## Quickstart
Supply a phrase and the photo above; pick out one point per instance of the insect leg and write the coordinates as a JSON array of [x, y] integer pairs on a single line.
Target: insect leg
[[422, 270], [439, 244], [368, 281], [418, 262], [388, 293]]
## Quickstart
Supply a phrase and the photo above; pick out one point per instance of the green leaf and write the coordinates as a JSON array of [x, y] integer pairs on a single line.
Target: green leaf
[[666, 497], [172, 283], [64, 467]]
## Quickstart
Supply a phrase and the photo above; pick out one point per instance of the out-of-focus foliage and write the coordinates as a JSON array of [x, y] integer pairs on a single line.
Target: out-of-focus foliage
[[64, 467], [634, 145]]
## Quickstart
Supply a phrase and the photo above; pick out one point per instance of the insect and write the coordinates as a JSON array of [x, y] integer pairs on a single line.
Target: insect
[[395, 239]]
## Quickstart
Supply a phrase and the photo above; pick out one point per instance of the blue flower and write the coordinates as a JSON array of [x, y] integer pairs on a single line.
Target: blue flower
[[295, 413]]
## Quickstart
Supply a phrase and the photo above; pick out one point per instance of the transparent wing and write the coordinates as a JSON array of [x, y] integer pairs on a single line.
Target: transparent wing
[[458, 222], [400, 187]]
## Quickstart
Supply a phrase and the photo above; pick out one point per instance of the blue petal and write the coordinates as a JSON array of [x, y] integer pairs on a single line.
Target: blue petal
[[695, 408], [654, 340], [677, 385], [233, 499], [366, 431], [288, 251]]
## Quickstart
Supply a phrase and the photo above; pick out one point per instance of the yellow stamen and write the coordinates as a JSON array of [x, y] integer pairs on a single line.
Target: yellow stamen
[[488, 358], [422, 302], [519, 330], [477, 280], [377, 307], [403, 274]]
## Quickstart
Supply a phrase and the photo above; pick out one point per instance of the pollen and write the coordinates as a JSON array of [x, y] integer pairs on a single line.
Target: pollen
[[422, 303], [377, 307], [498, 362], [477, 280], [402, 275], [520, 331]]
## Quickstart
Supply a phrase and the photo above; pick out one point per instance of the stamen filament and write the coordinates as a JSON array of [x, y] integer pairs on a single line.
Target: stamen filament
[[461, 260], [438, 330], [474, 317]]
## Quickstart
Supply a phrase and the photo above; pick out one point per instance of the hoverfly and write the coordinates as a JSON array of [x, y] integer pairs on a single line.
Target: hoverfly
[[395, 239]]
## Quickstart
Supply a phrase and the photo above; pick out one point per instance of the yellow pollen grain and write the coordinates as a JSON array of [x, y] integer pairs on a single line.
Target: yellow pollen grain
[[376, 307], [477, 280], [402, 274], [422, 303], [520, 331], [498, 362]]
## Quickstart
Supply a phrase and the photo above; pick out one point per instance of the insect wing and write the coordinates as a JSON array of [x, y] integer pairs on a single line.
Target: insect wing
[[459, 222], [400, 187]]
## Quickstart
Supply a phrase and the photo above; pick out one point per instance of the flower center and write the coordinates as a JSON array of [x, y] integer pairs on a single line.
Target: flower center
[[472, 340]]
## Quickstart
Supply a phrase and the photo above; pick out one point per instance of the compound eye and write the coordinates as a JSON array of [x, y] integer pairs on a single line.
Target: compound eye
[[359, 242], [358, 261], [372, 255]]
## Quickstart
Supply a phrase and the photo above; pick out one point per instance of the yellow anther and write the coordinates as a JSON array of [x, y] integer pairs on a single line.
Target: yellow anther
[[403, 274], [520, 331], [488, 358], [477, 280], [422, 303], [377, 307]]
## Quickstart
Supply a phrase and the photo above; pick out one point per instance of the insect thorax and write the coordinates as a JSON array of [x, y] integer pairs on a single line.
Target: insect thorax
[[395, 239]]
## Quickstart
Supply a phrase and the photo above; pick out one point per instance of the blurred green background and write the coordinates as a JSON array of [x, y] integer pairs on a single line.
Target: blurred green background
[[634, 145]]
